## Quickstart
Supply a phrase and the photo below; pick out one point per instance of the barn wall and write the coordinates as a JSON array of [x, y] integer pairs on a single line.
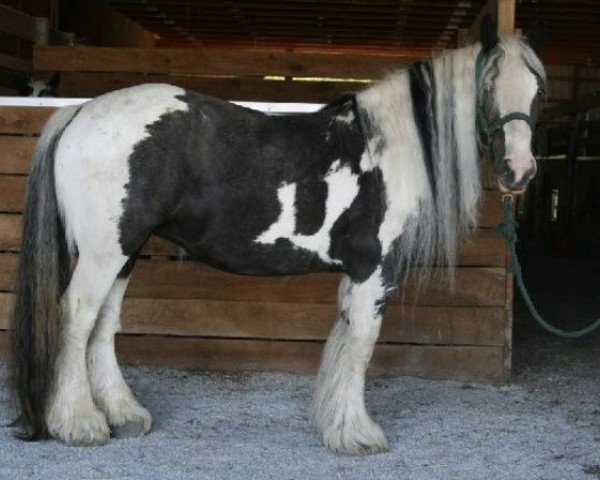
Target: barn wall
[[185, 314]]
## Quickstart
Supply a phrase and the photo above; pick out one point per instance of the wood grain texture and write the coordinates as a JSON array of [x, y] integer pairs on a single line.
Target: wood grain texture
[[16, 153], [484, 248], [23, 120], [482, 287], [12, 193], [288, 321], [10, 232], [469, 363], [248, 88], [220, 61]]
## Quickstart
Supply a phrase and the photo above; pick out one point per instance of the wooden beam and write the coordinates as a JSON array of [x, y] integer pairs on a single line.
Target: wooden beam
[[42, 31], [469, 363], [506, 17], [120, 31], [474, 286], [572, 107], [503, 10], [102, 25], [303, 321], [251, 88], [18, 24], [217, 61], [14, 63]]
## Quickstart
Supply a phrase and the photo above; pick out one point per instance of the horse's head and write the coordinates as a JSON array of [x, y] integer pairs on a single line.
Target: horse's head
[[510, 81], [40, 88]]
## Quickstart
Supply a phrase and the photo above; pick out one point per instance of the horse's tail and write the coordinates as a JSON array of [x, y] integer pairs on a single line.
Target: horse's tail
[[42, 278]]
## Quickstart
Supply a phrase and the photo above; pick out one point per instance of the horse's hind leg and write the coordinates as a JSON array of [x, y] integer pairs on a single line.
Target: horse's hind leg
[[125, 416], [339, 408], [71, 414]]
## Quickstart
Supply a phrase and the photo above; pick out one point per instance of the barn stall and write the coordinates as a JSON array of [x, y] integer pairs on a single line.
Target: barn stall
[[184, 314]]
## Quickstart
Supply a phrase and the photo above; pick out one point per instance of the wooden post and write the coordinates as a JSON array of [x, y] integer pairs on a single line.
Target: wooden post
[[506, 17], [462, 38], [42, 31], [504, 10]]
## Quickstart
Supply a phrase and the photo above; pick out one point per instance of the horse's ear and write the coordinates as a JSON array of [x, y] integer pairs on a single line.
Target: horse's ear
[[489, 32], [54, 81], [536, 37]]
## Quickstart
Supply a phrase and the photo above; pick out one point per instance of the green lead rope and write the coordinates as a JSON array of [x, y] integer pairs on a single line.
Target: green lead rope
[[508, 229]]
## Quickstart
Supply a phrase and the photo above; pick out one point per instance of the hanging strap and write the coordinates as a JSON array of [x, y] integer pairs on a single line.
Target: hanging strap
[[508, 229]]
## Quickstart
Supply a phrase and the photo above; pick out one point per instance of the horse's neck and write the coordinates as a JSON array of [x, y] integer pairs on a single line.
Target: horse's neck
[[445, 136]]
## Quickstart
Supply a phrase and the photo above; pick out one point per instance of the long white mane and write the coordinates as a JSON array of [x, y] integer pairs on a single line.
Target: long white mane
[[430, 210]]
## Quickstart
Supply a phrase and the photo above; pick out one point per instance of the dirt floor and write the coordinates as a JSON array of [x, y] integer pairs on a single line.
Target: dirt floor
[[544, 425]]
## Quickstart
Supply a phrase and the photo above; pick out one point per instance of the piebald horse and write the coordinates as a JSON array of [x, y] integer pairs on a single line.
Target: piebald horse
[[371, 184]]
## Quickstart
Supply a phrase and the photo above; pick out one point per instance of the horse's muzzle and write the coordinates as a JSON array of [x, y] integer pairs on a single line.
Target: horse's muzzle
[[516, 175]]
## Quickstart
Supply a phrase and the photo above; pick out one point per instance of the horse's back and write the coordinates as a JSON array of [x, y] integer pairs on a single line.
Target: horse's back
[[209, 175]]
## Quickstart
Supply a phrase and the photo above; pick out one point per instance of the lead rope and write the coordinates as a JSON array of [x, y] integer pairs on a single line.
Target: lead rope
[[508, 229]]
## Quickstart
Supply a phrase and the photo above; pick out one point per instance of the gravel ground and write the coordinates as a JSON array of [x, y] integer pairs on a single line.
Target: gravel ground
[[544, 425]]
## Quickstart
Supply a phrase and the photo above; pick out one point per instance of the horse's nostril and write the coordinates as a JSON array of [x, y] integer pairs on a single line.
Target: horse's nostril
[[529, 174], [507, 174]]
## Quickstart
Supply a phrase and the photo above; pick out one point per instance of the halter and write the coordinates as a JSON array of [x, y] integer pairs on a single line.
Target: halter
[[485, 127]]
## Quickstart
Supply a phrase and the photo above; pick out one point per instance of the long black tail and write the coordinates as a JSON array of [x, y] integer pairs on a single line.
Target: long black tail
[[42, 278]]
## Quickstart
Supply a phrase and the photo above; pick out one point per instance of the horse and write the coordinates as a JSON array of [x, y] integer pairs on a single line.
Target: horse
[[370, 185], [40, 88]]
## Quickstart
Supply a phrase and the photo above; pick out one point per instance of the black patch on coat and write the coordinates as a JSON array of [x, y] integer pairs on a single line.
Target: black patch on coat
[[310, 206], [488, 32], [207, 179], [128, 267], [422, 89], [354, 236]]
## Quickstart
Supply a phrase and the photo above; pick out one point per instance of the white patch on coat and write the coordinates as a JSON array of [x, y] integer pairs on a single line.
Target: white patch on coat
[[37, 86], [366, 161], [91, 174], [91, 166], [515, 88], [402, 164], [286, 223], [339, 409], [342, 188], [348, 118], [110, 392]]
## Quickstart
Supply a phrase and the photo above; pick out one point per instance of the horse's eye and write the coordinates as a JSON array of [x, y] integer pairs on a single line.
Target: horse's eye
[[541, 92]]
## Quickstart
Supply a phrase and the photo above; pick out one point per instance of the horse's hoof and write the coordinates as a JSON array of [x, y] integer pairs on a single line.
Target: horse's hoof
[[131, 420], [362, 437], [81, 429], [130, 430]]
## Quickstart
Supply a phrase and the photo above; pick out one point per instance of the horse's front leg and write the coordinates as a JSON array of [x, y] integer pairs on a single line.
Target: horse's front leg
[[339, 407]]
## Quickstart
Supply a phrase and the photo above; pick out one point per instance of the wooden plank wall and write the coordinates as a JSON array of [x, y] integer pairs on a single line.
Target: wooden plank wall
[[184, 314], [225, 73], [19, 30], [188, 315]]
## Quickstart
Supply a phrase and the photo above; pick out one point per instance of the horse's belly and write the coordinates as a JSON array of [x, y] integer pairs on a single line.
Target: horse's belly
[[229, 242]]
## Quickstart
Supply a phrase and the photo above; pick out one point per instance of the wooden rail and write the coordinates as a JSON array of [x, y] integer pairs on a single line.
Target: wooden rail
[[185, 314]]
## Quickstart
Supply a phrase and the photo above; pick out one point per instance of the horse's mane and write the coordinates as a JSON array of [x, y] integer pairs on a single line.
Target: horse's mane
[[437, 128]]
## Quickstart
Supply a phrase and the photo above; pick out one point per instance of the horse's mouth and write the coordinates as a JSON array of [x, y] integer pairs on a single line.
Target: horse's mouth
[[514, 191]]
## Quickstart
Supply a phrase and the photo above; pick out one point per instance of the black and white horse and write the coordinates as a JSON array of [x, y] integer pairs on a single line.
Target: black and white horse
[[369, 185], [40, 88]]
